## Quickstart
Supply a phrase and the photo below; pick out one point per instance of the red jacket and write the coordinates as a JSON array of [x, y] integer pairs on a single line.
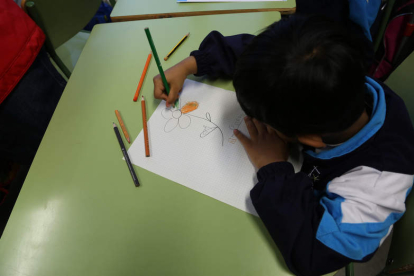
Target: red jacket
[[20, 42]]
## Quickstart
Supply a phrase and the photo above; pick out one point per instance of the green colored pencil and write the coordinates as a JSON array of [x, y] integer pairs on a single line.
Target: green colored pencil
[[157, 60]]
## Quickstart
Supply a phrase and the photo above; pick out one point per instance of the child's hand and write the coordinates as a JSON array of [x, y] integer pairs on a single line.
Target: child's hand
[[265, 146], [175, 76]]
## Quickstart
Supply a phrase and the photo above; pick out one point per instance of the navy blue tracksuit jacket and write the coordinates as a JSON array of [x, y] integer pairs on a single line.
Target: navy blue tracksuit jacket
[[343, 203]]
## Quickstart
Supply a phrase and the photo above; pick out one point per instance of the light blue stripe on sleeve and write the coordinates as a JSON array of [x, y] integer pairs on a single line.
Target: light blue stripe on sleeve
[[354, 241]]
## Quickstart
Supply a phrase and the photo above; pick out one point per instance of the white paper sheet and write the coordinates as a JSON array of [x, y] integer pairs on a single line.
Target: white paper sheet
[[198, 149]]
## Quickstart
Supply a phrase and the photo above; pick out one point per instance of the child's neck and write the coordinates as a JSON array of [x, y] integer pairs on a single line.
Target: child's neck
[[349, 132]]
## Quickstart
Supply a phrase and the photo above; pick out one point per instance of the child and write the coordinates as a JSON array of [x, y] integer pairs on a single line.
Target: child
[[303, 79]]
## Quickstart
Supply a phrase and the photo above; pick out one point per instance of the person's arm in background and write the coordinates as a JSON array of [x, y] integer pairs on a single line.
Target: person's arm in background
[[216, 58], [335, 9], [356, 15]]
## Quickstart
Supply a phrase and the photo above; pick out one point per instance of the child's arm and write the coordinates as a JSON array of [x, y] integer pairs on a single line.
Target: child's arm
[[317, 236], [347, 224], [285, 203], [218, 54], [175, 76], [216, 57]]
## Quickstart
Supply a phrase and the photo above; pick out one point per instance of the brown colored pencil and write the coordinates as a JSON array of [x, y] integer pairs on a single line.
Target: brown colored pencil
[[144, 123], [122, 126]]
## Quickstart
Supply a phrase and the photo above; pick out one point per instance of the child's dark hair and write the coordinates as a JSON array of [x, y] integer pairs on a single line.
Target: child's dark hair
[[303, 75]]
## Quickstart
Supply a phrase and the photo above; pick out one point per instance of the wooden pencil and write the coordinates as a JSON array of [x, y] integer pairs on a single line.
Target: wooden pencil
[[157, 60], [144, 123], [142, 77], [118, 115], [176, 46]]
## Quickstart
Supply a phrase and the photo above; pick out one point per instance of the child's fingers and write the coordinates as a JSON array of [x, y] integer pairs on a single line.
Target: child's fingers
[[173, 95], [270, 130], [242, 138], [261, 128], [159, 94], [251, 127], [159, 88]]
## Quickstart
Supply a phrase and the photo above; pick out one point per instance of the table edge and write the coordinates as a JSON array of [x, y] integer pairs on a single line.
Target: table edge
[[283, 11]]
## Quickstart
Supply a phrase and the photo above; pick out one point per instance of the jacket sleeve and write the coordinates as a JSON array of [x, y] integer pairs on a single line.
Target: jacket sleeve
[[317, 235], [218, 54]]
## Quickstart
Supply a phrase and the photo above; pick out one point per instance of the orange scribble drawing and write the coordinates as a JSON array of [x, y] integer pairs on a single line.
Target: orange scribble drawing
[[188, 107]]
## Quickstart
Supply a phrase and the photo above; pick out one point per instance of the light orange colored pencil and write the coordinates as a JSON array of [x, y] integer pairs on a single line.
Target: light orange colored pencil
[[144, 123], [176, 46], [142, 77], [122, 126]]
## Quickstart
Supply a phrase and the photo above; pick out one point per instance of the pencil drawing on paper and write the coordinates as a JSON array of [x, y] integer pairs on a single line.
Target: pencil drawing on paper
[[235, 125], [181, 118]]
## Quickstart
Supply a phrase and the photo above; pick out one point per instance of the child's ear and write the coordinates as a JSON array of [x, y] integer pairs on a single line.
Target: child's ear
[[312, 140]]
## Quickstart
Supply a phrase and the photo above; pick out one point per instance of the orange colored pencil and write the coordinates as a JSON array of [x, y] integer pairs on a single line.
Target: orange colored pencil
[[142, 77], [122, 126], [144, 123]]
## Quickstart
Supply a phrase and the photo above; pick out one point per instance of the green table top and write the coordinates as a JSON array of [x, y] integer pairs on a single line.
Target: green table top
[[79, 213], [126, 10]]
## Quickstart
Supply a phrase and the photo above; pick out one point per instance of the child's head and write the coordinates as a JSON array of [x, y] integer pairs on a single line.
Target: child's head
[[303, 75]]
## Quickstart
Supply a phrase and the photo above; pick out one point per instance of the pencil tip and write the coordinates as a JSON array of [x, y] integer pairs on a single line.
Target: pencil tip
[[146, 28], [113, 124], [142, 98], [188, 34]]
